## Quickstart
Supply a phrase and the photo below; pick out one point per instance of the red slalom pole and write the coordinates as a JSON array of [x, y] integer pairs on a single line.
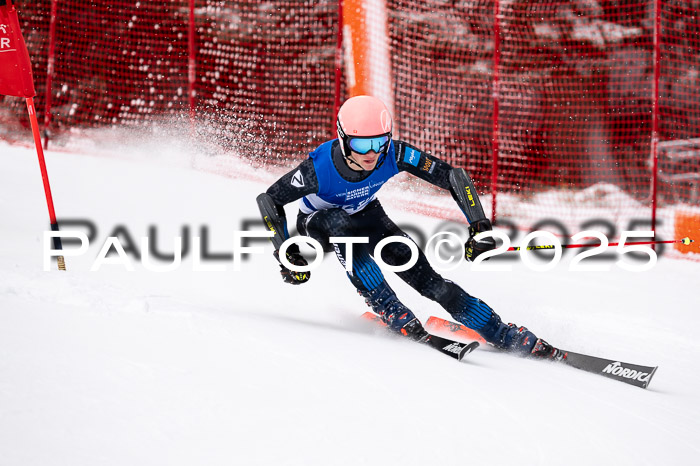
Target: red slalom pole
[[45, 177], [685, 241], [16, 80]]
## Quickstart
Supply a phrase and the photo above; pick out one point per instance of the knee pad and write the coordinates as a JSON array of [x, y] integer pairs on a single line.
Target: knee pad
[[323, 224], [333, 222]]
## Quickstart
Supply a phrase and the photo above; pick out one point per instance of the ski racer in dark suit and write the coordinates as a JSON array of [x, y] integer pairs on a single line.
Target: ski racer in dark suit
[[337, 187]]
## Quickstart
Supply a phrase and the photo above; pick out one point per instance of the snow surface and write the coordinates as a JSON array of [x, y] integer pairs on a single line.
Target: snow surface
[[235, 367]]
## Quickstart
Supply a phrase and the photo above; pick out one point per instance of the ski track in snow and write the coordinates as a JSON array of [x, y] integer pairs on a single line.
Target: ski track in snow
[[180, 368]]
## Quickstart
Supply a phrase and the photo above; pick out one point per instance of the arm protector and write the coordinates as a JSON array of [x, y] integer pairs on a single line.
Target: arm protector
[[274, 218], [464, 192]]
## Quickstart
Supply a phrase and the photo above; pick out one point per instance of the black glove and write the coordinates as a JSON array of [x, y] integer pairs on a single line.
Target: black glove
[[294, 257], [473, 248]]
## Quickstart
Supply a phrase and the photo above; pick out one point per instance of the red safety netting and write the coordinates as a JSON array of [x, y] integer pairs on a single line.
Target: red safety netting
[[264, 71], [561, 95], [442, 60], [268, 70], [119, 62]]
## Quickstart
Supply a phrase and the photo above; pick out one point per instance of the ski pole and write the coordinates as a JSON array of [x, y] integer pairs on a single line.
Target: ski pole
[[685, 241]]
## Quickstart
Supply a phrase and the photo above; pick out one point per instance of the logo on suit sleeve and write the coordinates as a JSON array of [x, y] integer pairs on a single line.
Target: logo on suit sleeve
[[298, 180], [411, 156], [428, 166]]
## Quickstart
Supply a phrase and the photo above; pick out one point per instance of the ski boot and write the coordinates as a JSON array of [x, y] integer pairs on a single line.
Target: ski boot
[[518, 340], [521, 338], [393, 313], [544, 350]]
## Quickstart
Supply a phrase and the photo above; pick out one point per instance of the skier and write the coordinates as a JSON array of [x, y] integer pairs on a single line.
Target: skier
[[337, 187]]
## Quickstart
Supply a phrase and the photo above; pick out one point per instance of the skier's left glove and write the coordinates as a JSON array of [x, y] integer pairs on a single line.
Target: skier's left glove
[[473, 248], [294, 257]]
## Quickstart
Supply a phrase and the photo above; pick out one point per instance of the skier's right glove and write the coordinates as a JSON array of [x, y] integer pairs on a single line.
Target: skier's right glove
[[294, 257], [473, 248]]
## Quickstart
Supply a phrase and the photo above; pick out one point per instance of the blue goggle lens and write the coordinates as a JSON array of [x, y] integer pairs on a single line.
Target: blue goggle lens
[[364, 145]]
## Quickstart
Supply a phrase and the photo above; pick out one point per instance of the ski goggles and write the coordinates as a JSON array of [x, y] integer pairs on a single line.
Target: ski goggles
[[364, 145]]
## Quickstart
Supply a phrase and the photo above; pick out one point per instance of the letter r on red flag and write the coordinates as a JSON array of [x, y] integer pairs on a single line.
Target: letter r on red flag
[[15, 68]]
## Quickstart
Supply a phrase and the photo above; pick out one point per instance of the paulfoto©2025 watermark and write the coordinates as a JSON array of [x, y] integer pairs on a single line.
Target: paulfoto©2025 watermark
[[444, 248]]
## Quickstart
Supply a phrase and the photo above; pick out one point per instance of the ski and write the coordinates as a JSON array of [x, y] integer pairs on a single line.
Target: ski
[[436, 324], [633, 374], [454, 349]]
